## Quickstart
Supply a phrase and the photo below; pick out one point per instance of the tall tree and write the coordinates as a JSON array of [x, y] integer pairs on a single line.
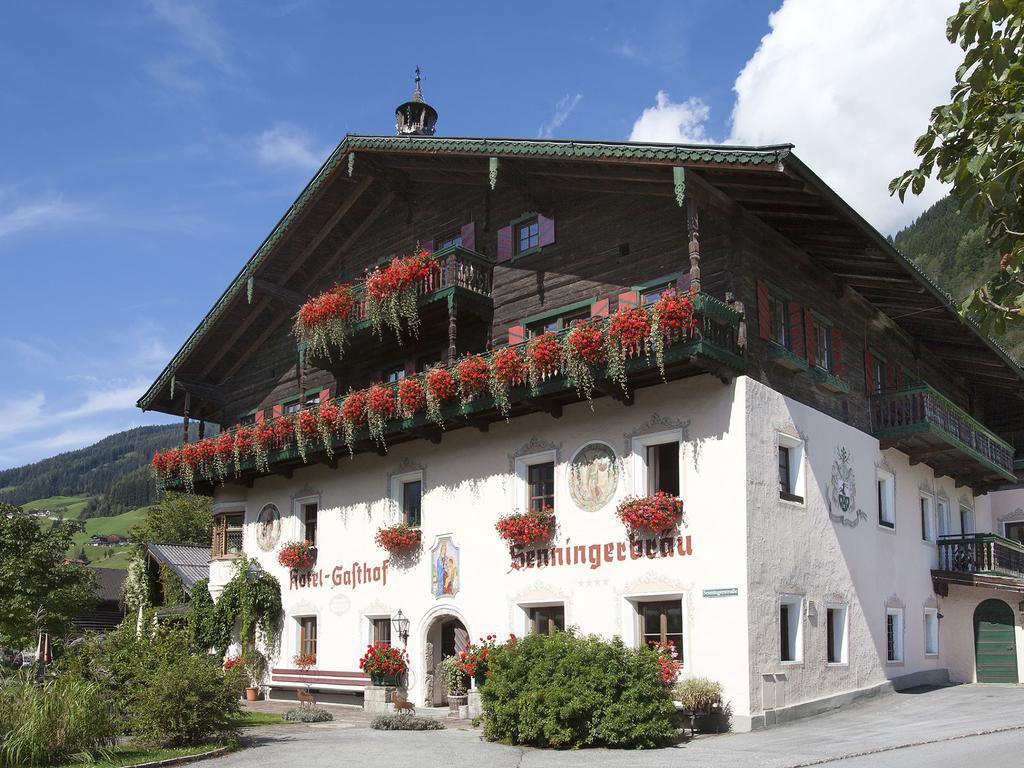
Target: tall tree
[[41, 590], [976, 143], [177, 519]]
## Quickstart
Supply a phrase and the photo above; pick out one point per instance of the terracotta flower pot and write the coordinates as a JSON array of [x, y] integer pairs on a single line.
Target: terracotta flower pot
[[252, 694]]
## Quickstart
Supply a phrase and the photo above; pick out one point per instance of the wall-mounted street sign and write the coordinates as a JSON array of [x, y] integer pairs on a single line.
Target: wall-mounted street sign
[[722, 592]]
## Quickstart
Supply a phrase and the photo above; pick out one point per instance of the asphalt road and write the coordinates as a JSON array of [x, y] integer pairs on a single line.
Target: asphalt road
[[996, 749]]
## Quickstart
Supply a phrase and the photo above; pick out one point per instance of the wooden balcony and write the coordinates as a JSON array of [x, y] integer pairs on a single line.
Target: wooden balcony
[[980, 560], [932, 430], [712, 346]]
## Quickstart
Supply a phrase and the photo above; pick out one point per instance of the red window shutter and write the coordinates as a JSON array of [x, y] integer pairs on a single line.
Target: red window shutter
[[427, 245], [545, 230], [869, 372], [629, 299], [325, 395], [505, 244], [796, 328], [516, 334], [764, 316], [812, 346], [469, 235], [837, 352], [277, 410], [259, 416], [599, 308]]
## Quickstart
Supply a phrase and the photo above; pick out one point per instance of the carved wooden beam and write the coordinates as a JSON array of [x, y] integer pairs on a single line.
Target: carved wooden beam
[[207, 393]]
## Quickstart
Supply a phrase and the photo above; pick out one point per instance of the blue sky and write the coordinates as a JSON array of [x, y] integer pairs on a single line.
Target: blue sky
[[148, 147]]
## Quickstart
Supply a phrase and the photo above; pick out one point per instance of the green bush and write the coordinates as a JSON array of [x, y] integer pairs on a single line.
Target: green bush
[[184, 701], [308, 715], [405, 723], [66, 718], [567, 691]]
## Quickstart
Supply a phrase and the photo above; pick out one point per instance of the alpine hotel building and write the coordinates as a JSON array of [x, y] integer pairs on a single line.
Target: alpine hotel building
[[839, 438]]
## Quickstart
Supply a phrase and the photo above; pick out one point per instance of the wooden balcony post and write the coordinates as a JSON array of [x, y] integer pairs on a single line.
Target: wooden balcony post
[[693, 232], [184, 426], [452, 325]]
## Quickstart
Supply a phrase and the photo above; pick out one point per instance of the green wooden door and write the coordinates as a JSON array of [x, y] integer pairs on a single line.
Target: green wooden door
[[995, 648]]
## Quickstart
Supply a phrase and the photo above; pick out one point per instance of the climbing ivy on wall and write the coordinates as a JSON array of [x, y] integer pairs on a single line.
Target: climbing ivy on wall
[[251, 600]]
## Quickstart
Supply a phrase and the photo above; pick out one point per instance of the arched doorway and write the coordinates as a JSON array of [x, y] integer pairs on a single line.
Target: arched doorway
[[995, 645], [447, 636]]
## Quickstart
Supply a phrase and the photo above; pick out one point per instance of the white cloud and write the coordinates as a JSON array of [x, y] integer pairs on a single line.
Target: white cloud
[[563, 109], [21, 413], [49, 212], [196, 29], [288, 147], [668, 121], [850, 84]]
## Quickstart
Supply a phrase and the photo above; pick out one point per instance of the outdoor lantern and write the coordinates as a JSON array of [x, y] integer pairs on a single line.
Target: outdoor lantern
[[401, 625]]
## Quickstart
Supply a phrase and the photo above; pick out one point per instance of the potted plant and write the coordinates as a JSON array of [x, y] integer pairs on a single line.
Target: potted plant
[[525, 528], [398, 539], [384, 663], [454, 680], [297, 555], [255, 665], [701, 699], [657, 513]]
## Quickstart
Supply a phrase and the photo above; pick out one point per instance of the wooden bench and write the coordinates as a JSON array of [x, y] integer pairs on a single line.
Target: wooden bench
[[326, 680]]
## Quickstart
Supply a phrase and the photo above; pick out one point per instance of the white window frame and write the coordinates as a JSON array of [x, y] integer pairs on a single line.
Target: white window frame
[[929, 532], [526, 623], [796, 607], [970, 516], [931, 619], [300, 518], [942, 515], [297, 618], [844, 644], [797, 466], [631, 618], [397, 484], [898, 649], [888, 499], [639, 446], [522, 487], [370, 618]]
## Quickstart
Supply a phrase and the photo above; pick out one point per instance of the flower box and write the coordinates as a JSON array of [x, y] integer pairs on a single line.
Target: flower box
[[399, 538], [523, 528], [297, 555], [658, 513]]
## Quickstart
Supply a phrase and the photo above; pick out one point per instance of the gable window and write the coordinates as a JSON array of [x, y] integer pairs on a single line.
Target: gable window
[[527, 235], [540, 485], [943, 515], [966, 521], [292, 408], [835, 634], [778, 313], [558, 322], [823, 355], [412, 499], [791, 471], [893, 635], [391, 375], [547, 619], [311, 400], [662, 622], [886, 483], [931, 631], [310, 512], [382, 631], [927, 529], [307, 635], [247, 420], [651, 295], [227, 534], [790, 628]]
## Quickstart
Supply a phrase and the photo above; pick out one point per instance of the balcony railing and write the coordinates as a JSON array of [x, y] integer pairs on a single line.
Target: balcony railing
[[981, 553], [458, 268], [920, 411]]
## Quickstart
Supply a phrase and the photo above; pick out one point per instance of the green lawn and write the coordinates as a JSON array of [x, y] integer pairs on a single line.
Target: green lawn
[[250, 717], [74, 504], [131, 755]]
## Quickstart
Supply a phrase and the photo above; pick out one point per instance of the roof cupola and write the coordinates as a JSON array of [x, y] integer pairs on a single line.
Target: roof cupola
[[415, 117]]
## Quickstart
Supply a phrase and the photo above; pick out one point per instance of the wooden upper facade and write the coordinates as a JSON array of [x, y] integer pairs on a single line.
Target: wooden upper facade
[[833, 315]]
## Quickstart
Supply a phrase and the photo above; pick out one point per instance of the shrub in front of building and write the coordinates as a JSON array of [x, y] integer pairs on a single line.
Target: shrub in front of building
[[405, 723], [567, 691], [308, 715]]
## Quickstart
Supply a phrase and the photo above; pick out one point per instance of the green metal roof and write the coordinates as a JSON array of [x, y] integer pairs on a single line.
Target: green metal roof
[[555, 149]]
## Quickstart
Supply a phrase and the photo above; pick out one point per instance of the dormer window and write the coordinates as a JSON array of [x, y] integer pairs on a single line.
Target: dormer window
[[527, 236]]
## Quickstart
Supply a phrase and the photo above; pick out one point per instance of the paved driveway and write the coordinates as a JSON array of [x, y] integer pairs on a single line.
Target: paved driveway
[[949, 715]]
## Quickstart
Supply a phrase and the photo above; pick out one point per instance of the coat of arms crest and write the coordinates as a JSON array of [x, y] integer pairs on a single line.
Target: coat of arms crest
[[842, 492]]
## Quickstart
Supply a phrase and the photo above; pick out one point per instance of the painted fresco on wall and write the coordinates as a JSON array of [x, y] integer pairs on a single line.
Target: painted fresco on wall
[[842, 492], [593, 476], [444, 568], [268, 528]]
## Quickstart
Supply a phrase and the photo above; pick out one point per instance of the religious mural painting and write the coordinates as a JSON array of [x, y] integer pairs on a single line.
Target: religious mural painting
[[444, 568], [268, 528], [842, 492], [593, 476]]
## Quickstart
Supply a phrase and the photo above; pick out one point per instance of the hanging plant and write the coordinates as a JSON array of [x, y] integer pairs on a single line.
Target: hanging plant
[[543, 355], [471, 377], [305, 429], [166, 466], [658, 513], [326, 421], [672, 319], [326, 320], [352, 416], [523, 528], [284, 430], [297, 555], [507, 371], [411, 399], [223, 454], [392, 292], [245, 440], [626, 336], [398, 538], [380, 408], [191, 460], [583, 350], [262, 441], [440, 388]]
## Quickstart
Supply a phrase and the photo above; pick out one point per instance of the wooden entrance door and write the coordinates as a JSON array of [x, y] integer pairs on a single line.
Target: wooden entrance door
[[995, 647]]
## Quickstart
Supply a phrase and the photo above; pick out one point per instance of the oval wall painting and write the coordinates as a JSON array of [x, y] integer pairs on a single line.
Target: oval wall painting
[[268, 528], [593, 476]]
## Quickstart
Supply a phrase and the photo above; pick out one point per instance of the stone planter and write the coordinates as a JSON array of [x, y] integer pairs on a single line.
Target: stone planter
[[377, 699], [474, 706], [454, 703]]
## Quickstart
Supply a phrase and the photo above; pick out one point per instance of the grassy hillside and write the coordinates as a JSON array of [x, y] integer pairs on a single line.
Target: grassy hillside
[[108, 557], [66, 506]]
